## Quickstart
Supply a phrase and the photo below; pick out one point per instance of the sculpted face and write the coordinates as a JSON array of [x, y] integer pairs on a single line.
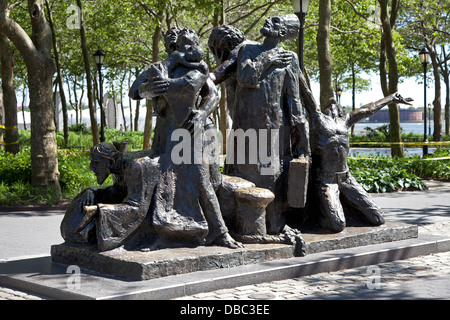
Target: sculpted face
[[101, 168], [273, 27], [170, 39], [194, 53], [223, 40]]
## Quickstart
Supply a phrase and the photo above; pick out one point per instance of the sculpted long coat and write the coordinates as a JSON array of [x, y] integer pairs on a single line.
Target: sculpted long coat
[[269, 101], [123, 207]]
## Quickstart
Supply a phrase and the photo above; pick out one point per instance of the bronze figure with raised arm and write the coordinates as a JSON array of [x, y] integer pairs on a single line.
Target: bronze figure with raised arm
[[333, 183]]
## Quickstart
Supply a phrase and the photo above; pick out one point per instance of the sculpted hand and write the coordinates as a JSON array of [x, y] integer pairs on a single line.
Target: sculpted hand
[[152, 89], [88, 198], [399, 99], [274, 57], [89, 214], [198, 119], [283, 58], [199, 115]]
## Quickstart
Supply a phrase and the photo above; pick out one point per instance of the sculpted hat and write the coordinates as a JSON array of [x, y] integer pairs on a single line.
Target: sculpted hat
[[292, 26]]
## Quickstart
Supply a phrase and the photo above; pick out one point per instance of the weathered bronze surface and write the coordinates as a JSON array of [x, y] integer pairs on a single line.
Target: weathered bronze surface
[[167, 200]]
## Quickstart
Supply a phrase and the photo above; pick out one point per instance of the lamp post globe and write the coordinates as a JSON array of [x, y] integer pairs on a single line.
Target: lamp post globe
[[339, 92], [99, 57]]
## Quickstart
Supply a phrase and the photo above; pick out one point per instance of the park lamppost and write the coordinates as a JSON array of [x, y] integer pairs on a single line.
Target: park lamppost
[[99, 58], [301, 9], [424, 58]]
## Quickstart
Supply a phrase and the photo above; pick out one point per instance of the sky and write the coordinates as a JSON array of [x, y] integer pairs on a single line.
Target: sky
[[409, 88]]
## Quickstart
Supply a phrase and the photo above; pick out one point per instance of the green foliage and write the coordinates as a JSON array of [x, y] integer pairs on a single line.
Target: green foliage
[[73, 164], [24, 139], [135, 139], [79, 128], [82, 140], [15, 172], [15, 176], [433, 167], [384, 174], [15, 167]]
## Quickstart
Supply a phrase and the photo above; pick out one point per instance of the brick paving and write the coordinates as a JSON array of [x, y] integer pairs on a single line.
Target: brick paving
[[353, 283], [9, 294], [424, 276], [358, 282], [362, 282]]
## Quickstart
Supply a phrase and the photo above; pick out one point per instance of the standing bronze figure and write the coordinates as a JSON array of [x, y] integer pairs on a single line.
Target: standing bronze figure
[[268, 105], [186, 208]]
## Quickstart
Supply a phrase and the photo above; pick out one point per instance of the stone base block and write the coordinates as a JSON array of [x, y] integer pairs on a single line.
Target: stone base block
[[137, 265]]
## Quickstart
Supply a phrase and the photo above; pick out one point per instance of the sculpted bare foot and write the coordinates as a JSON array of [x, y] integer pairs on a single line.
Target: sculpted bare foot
[[226, 240]]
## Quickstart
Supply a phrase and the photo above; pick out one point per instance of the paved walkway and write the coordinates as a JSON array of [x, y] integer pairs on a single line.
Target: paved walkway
[[424, 277]]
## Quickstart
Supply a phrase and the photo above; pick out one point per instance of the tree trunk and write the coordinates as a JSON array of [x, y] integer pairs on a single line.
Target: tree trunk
[[121, 102], [148, 125], [87, 67], [324, 53], [382, 67], [353, 93], [437, 112], [136, 115], [137, 111], [130, 103], [445, 75], [447, 103], [80, 104], [391, 55], [44, 156], [2, 143], [36, 52], [149, 103], [59, 77], [23, 107], [9, 96]]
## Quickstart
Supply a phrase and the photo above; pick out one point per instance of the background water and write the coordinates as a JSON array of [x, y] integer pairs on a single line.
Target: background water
[[354, 152], [407, 127]]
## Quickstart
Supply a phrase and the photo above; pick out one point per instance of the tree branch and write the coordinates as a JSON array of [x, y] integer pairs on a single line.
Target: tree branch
[[147, 9], [360, 14], [15, 33], [13, 5]]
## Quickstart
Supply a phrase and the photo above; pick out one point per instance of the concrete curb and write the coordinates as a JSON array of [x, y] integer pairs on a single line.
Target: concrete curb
[[42, 277]]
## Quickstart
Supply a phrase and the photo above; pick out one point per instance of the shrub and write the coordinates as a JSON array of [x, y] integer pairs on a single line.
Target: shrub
[[80, 128], [15, 167], [430, 168], [384, 174], [74, 172]]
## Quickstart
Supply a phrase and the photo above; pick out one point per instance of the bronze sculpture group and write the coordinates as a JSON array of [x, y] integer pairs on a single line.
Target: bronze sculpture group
[[167, 196]]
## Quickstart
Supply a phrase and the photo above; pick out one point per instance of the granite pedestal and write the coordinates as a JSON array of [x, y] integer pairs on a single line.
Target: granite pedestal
[[137, 265]]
